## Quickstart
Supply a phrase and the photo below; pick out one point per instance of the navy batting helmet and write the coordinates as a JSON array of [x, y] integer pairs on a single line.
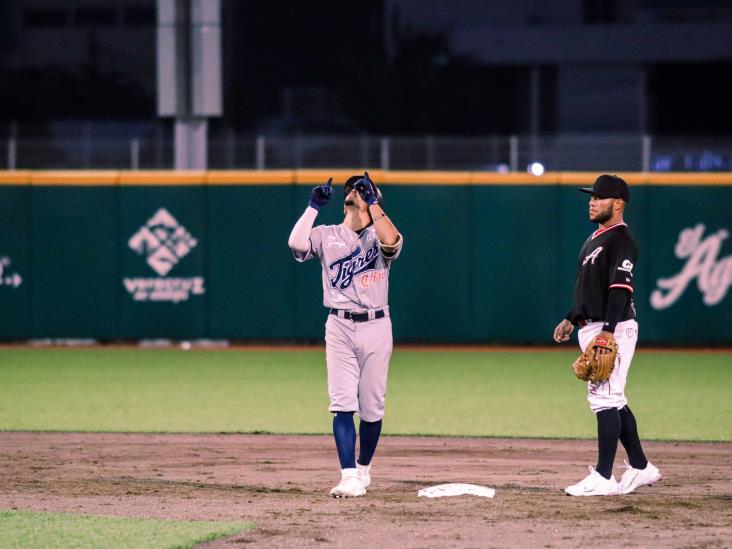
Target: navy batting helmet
[[351, 181]]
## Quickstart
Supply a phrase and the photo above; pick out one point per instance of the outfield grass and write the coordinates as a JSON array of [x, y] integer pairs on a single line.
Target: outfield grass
[[675, 395], [62, 530]]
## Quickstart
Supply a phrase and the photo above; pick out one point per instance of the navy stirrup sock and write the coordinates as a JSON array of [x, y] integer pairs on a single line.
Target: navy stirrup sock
[[608, 433], [369, 432], [631, 441], [344, 432]]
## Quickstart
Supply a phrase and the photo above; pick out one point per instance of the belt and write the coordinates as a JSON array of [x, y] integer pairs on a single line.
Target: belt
[[583, 323], [357, 317]]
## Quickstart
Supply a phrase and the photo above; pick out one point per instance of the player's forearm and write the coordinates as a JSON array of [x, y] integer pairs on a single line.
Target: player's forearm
[[385, 229], [617, 301], [299, 240]]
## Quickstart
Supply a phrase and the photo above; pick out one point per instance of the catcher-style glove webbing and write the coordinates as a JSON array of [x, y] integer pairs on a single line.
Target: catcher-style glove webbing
[[596, 364]]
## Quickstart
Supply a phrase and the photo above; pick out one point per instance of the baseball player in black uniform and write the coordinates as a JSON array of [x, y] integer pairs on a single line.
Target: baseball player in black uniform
[[603, 305]]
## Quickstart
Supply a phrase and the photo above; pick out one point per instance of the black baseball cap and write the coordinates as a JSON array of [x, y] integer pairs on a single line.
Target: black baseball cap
[[608, 186]]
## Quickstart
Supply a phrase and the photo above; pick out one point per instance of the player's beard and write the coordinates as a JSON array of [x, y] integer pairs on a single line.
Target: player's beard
[[601, 217], [350, 202]]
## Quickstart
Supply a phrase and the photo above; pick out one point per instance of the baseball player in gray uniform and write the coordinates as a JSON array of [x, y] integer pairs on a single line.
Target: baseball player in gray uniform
[[356, 257]]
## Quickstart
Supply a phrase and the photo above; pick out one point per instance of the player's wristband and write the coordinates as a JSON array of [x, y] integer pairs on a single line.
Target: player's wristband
[[609, 327]]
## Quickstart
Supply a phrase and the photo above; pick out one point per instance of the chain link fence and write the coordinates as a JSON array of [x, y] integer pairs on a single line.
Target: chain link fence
[[566, 152]]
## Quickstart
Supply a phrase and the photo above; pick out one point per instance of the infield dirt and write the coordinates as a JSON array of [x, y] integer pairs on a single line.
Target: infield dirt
[[282, 482]]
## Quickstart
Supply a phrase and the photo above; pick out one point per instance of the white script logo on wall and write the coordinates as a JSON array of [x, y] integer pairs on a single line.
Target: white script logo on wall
[[8, 278], [713, 275], [164, 242]]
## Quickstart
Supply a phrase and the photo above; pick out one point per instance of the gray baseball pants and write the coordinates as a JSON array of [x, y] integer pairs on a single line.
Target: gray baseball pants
[[357, 355]]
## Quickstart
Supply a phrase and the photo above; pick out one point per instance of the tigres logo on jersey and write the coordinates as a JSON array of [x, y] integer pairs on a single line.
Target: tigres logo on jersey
[[353, 264]]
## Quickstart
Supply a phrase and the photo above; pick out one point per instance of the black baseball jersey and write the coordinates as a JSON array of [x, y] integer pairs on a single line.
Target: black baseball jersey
[[606, 261]]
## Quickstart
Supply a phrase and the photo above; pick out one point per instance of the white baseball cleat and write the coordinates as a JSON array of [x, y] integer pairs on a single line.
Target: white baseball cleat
[[635, 478], [594, 484], [365, 472], [350, 486]]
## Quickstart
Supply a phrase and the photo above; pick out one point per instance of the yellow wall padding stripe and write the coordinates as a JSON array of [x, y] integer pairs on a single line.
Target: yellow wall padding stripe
[[517, 178], [689, 179], [15, 178], [80, 177], [314, 177], [651, 178], [250, 177], [162, 177], [587, 178], [320, 177], [424, 178]]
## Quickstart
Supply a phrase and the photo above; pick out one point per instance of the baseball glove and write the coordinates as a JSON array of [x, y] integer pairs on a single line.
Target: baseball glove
[[597, 362]]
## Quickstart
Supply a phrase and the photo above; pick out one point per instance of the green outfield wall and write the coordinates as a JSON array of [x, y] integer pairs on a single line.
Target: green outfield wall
[[487, 257]]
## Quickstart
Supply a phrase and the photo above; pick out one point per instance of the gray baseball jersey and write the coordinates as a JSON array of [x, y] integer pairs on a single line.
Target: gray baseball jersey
[[355, 268], [356, 279]]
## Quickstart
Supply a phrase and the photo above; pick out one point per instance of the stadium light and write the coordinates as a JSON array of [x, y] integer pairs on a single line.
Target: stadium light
[[535, 168]]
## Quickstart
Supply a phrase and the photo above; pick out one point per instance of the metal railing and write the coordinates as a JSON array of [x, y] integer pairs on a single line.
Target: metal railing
[[565, 152]]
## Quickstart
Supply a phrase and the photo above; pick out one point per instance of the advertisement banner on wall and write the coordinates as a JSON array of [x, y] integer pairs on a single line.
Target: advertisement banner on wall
[[703, 268], [163, 242], [15, 263], [9, 277], [188, 261], [689, 250], [163, 252]]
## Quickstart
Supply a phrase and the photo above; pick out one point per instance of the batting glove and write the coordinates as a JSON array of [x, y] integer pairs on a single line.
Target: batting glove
[[320, 195], [365, 188]]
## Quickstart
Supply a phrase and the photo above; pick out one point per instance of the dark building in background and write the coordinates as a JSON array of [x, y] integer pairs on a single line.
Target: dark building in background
[[599, 65], [86, 58], [387, 67], [69, 66]]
